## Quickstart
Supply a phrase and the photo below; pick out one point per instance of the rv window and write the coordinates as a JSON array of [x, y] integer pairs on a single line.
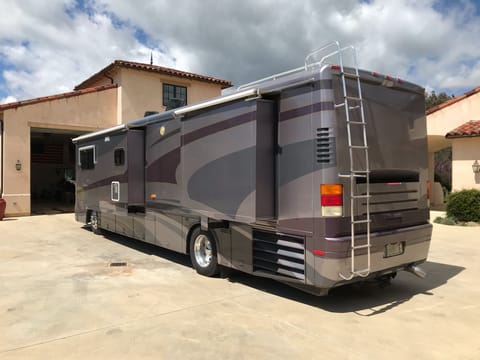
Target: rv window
[[87, 157], [119, 157], [115, 191], [178, 93]]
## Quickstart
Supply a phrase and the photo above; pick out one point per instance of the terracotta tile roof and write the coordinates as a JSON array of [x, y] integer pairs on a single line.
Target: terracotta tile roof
[[469, 129], [453, 101], [17, 104], [152, 68]]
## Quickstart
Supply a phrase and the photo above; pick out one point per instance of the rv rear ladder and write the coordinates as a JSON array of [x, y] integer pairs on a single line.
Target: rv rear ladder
[[353, 103], [354, 172]]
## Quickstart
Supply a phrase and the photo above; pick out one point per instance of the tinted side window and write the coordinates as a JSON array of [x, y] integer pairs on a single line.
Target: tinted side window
[[87, 158], [119, 157]]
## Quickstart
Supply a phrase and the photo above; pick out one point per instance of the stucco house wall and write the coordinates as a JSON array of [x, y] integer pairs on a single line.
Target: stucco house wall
[[441, 120], [464, 152], [88, 112], [447, 116], [142, 91]]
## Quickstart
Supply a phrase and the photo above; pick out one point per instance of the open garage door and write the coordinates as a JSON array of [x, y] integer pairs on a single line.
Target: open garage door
[[52, 171]]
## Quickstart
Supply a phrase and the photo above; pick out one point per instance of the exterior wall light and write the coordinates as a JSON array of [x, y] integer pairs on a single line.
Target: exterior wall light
[[18, 165], [476, 167]]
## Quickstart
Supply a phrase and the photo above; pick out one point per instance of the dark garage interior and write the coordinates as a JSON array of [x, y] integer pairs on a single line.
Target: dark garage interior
[[52, 171]]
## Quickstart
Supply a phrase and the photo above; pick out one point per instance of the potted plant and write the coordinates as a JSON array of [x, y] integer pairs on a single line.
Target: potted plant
[[3, 205]]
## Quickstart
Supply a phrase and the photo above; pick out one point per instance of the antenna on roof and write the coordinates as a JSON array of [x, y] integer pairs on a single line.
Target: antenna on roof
[[151, 58]]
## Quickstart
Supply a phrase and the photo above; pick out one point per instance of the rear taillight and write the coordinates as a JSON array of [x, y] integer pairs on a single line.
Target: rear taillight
[[331, 199]]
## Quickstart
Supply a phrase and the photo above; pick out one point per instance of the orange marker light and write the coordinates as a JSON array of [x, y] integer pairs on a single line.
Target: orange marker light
[[331, 189]]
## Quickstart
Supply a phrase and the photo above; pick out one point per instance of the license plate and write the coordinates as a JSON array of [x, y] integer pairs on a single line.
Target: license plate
[[394, 249]]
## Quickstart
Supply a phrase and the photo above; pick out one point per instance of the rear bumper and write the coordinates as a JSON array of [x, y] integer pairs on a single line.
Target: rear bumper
[[337, 259]]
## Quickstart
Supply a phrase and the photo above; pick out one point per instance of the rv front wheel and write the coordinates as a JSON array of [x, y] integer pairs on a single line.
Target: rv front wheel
[[94, 223], [203, 253]]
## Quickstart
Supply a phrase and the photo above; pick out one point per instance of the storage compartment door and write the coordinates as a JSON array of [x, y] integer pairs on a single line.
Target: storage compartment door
[[265, 160], [136, 167]]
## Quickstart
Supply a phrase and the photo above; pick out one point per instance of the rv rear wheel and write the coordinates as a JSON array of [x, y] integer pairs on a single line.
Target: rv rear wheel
[[203, 253], [94, 223]]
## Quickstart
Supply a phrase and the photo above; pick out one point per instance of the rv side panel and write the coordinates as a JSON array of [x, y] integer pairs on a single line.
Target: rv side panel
[[218, 161], [168, 231], [163, 171], [242, 256], [97, 170]]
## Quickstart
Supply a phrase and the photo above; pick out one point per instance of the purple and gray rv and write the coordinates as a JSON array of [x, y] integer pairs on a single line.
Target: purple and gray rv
[[316, 177]]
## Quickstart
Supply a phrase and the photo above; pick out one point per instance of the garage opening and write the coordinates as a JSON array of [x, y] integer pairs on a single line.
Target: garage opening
[[52, 171]]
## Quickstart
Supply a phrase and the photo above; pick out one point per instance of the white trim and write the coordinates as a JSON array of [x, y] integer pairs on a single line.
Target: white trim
[[117, 183], [99, 132], [6, 194], [217, 101], [271, 77], [88, 147]]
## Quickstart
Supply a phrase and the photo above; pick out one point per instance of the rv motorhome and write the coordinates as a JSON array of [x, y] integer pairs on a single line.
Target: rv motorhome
[[316, 177]]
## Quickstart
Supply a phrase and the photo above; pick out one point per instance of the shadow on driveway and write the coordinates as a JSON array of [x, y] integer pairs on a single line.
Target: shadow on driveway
[[365, 299]]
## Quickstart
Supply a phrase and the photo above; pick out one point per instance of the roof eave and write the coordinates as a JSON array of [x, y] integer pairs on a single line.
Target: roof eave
[[452, 101], [66, 95], [87, 82], [144, 67], [460, 136]]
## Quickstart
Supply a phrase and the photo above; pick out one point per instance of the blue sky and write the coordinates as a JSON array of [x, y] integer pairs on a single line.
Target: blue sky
[[49, 47]]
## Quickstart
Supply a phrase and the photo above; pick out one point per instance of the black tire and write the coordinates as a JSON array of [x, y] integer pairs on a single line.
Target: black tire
[[203, 253], [94, 223]]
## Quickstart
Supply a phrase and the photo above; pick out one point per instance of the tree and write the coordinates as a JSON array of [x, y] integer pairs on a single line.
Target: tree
[[433, 99]]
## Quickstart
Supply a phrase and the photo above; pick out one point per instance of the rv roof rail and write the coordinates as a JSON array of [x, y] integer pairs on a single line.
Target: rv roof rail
[[322, 49], [271, 77], [326, 52], [217, 101], [306, 67]]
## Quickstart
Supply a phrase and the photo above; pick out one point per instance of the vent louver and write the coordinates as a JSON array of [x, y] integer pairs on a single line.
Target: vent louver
[[325, 146], [277, 254]]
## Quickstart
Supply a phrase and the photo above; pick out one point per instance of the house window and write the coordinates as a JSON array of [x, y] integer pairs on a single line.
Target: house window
[[174, 93], [86, 158], [119, 157]]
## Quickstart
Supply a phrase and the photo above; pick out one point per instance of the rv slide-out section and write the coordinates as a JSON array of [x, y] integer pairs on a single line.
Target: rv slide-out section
[[261, 181]]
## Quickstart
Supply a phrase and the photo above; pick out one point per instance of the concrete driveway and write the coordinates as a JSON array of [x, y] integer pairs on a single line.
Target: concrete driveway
[[60, 298]]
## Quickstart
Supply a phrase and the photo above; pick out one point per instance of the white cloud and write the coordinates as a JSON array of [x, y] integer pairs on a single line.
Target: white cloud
[[8, 99], [245, 40], [48, 50], [51, 52]]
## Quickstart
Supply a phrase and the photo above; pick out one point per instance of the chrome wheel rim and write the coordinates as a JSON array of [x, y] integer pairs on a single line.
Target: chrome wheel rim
[[203, 250]]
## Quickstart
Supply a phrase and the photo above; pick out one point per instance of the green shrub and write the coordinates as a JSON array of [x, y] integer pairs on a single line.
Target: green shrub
[[445, 221], [464, 205]]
